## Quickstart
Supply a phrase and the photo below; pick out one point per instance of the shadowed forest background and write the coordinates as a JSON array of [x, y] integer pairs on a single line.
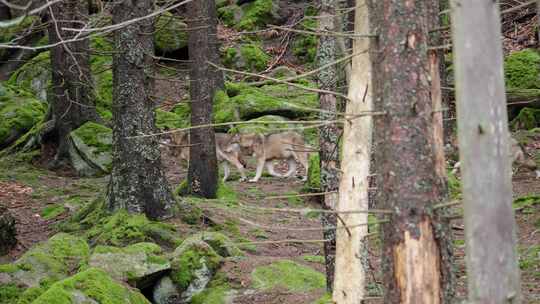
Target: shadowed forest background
[[103, 201]]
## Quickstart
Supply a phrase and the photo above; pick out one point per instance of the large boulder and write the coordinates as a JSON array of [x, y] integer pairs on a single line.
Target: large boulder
[[88, 287], [219, 242], [138, 264], [19, 112], [165, 292], [170, 34], [250, 16], [248, 56], [522, 70], [53, 260], [34, 76], [91, 148]]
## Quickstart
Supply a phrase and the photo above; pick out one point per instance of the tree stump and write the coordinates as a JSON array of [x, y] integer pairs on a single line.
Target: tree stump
[[7, 231]]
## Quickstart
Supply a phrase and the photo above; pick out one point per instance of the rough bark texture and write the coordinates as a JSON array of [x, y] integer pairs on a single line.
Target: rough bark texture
[[415, 245], [329, 134], [8, 232], [349, 282], [72, 89], [490, 228], [202, 44], [137, 182]]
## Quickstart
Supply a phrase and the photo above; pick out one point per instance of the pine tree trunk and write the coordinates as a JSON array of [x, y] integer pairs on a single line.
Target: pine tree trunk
[[137, 181], [329, 134], [490, 228], [72, 88], [202, 44], [351, 250], [415, 242]]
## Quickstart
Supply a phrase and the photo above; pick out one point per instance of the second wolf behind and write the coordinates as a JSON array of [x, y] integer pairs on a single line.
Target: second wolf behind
[[226, 151]]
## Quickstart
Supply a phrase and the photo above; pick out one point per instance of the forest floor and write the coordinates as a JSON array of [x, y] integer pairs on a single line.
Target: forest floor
[[39, 199]]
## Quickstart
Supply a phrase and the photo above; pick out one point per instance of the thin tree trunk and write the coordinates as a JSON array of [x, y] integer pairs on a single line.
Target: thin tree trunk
[[72, 88], [202, 173], [137, 181], [349, 282], [414, 243], [329, 134], [490, 228]]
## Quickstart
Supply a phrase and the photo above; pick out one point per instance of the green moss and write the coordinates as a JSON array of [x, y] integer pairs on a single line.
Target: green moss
[[95, 135], [94, 284], [8, 268], [289, 275], [30, 294], [326, 299], [9, 293], [528, 259], [212, 295], [189, 258], [304, 46], [170, 120], [52, 211], [18, 114], [255, 57], [257, 14], [170, 33], [146, 247], [454, 186], [528, 118], [229, 56], [313, 259], [522, 69], [314, 174], [265, 125], [226, 193], [258, 233], [34, 76], [230, 14], [526, 203]]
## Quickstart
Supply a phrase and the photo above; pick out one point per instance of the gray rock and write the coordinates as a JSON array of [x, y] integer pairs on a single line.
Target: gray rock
[[165, 292], [90, 149]]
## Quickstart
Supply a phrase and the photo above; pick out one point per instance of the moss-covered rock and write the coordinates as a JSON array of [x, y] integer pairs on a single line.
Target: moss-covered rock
[[53, 260], [165, 291], [91, 151], [121, 229], [171, 120], [289, 275], [277, 99], [22, 28], [257, 14], [19, 112], [170, 33], [265, 124], [221, 244], [90, 286], [34, 76], [522, 70], [138, 264], [527, 119], [193, 264], [249, 56], [218, 292], [230, 15]]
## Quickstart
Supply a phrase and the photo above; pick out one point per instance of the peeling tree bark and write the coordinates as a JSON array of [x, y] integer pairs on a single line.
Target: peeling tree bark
[[416, 248], [490, 227], [204, 81], [328, 134], [137, 181], [72, 89], [349, 282]]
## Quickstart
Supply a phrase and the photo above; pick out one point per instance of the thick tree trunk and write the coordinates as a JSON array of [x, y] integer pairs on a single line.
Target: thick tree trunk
[[72, 89], [202, 44], [415, 245], [490, 228], [351, 251], [137, 181], [329, 134], [8, 232], [5, 13]]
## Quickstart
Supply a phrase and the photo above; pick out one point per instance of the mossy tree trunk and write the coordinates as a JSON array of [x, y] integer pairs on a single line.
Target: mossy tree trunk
[[72, 98], [204, 81], [351, 250], [137, 181], [490, 228], [415, 241], [329, 134]]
